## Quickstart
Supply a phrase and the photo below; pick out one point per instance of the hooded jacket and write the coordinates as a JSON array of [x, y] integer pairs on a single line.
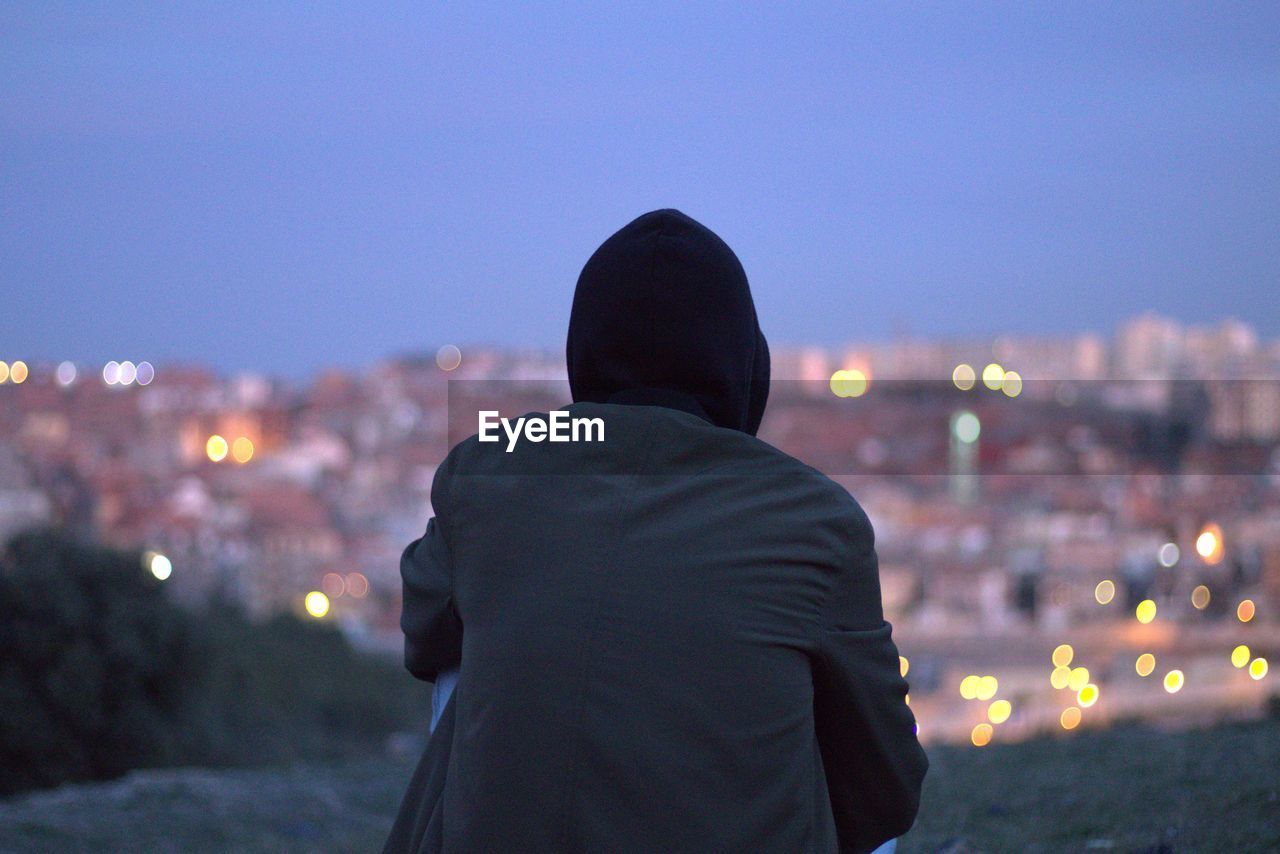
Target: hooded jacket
[[663, 314], [669, 640]]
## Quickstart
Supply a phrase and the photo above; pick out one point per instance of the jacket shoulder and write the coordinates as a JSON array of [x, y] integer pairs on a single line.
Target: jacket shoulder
[[761, 457]]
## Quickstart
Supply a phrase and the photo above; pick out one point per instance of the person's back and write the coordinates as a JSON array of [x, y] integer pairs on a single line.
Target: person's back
[[669, 639]]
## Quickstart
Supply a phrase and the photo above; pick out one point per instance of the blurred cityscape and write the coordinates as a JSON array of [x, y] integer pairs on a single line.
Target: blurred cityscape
[[1071, 531]]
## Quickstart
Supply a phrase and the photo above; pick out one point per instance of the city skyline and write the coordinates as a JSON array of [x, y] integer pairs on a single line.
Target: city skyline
[[1148, 345]]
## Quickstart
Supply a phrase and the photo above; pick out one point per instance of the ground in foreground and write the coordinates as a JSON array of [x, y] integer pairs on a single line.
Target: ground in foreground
[[1125, 789]]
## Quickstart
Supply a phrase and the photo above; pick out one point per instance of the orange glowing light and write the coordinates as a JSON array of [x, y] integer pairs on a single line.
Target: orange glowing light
[[1209, 543]]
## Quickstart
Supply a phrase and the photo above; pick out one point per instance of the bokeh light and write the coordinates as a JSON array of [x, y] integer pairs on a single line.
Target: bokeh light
[[1070, 717], [111, 372], [1240, 656], [1169, 554], [1258, 668], [1209, 543], [357, 584], [448, 357], [128, 372], [849, 382], [146, 373], [1011, 384], [1087, 696], [18, 372], [969, 687], [242, 449], [999, 711], [1145, 665], [987, 688], [966, 427], [1062, 655], [993, 376], [65, 373], [316, 603], [333, 585], [1200, 597], [903, 665], [216, 448], [963, 376], [157, 564], [1059, 677], [4, 372], [981, 735], [1078, 679], [1245, 611], [1173, 681], [1146, 611], [1105, 591]]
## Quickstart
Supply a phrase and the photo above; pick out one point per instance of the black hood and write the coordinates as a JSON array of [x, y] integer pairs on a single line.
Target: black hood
[[663, 315]]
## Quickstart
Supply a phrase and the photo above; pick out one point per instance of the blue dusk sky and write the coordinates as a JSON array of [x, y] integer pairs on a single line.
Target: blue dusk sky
[[285, 187]]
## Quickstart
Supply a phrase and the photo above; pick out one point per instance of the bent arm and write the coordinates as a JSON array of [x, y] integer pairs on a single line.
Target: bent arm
[[429, 619], [873, 762]]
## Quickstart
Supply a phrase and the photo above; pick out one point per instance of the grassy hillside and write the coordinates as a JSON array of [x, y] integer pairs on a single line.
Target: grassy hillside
[[1129, 789]]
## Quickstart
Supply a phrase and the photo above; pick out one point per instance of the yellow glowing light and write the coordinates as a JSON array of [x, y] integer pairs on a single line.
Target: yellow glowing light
[[987, 687], [1209, 543], [1146, 611], [216, 448], [1173, 681], [981, 735], [316, 603], [1070, 718], [1062, 654], [849, 383], [1105, 591], [1058, 678], [1258, 668], [1245, 611], [1011, 384], [1240, 656], [903, 664], [161, 567], [1087, 696], [242, 449], [4, 372], [1200, 597], [969, 687], [1145, 664], [999, 711], [18, 372], [1078, 678], [907, 699], [993, 376], [963, 376]]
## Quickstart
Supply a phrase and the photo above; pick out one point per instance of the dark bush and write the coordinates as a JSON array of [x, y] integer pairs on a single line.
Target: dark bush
[[95, 663], [100, 673]]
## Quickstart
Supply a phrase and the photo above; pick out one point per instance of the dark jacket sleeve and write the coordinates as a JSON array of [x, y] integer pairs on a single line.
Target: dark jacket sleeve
[[428, 616], [873, 762]]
